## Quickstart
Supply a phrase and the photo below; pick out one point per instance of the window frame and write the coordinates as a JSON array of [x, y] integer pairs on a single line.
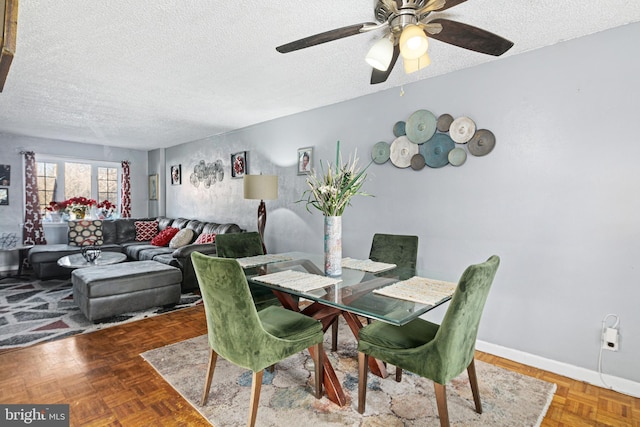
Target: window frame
[[95, 164]]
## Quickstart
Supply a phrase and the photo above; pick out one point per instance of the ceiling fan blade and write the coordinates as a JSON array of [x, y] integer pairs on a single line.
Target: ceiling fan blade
[[469, 37], [378, 76], [327, 36], [451, 3]]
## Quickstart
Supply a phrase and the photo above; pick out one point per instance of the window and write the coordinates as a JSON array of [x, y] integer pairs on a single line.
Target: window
[[108, 184], [62, 179], [47, 179]]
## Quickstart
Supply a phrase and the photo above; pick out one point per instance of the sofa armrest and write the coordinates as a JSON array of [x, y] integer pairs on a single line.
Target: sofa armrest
[[185, 251]]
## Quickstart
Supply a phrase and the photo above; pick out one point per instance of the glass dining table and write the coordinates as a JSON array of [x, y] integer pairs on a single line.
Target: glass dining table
[[353, 295]]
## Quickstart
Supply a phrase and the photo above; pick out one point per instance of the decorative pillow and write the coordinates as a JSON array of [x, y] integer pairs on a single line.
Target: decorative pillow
[[85, 232], [205, 238], [164, 237], [146, 230], [181, 239]]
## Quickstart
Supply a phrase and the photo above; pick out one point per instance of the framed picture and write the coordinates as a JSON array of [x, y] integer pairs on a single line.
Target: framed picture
[[5, 175], [153, 187], [176, 174], [239, 164], [4, 196], [305, 160]]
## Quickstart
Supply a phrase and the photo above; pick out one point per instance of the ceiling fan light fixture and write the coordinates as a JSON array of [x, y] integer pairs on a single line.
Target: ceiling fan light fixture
[[380, 54], [413, 65], [413, 42]]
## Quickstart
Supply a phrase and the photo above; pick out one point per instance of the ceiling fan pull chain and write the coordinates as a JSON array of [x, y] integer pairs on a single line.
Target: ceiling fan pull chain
[[402, 90]]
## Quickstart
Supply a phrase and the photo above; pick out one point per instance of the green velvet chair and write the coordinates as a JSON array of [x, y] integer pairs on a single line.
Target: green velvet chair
[[396, 249], [239, 245], [246, 337], [438, 352]]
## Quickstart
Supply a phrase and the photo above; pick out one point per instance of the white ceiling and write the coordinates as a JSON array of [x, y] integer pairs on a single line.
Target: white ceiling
[[150, 74]]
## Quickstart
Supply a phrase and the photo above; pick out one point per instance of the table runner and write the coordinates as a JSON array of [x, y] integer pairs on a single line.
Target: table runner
[[297, 280], [366, 265], [419, 289]]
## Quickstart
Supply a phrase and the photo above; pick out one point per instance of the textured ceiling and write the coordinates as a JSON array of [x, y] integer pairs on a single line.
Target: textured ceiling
[[145, 75]]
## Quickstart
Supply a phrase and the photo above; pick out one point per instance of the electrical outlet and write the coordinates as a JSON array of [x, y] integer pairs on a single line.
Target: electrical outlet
[[610, 339]]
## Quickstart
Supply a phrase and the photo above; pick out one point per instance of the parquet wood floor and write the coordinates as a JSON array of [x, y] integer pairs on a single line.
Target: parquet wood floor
[[106, 382]]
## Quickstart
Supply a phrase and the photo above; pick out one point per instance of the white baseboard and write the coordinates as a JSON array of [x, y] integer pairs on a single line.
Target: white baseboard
[[618, 384]]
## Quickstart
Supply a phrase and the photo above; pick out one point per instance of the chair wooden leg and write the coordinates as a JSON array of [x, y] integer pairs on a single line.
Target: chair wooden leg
[[441, 399], [213, 357], [318, 363], [256, 385], [398, 374], [363, 365], [473, 381], [334, 335]]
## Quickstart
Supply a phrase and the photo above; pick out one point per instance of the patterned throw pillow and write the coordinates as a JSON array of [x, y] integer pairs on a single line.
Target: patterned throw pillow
[[85, 232], [146, 230], [164, 237], [181, 239], [205, 238]]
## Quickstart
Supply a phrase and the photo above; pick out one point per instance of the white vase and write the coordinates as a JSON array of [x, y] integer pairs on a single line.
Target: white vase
[[333, 245]]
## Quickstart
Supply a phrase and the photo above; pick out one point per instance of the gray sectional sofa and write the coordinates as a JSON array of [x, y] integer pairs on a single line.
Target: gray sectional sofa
[[119, 235]]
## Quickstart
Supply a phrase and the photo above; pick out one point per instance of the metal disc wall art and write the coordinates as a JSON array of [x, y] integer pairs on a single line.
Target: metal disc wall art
[[436, 150], [457, 156], [420, 126], [206, 174], [380, 153], [402, 150], [399, 129], [462, 129], [424, 139], [444, 121], [482, 142]]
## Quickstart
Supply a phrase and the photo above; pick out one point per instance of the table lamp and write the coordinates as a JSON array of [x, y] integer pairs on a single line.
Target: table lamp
[[261, 187]]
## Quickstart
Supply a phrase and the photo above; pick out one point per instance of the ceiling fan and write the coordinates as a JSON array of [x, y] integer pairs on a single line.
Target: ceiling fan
[[406, 27]]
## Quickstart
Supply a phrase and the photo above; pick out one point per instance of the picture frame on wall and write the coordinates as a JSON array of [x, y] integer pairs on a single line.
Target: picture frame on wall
[[5, 175], [4, 196], [176, 174], [305, 160], [153, 187], [239, 164]]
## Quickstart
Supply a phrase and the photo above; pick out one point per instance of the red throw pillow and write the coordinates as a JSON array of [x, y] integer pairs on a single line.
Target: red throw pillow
[[205, 238], [146, 230], [164, 237]]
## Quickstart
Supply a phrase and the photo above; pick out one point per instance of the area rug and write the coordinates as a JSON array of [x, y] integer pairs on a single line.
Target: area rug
[[508, 398], [39, 311]]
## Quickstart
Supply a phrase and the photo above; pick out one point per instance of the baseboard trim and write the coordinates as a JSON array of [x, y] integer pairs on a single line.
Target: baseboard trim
[[618, 384]]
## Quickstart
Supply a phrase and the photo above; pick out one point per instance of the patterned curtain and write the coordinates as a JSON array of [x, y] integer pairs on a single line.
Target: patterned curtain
[[125, 205], [33, 233]]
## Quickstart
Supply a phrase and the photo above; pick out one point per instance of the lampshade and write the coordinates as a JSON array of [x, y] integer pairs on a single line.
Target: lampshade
[[413, 65], [413, 42], [380, 54], [261, 187]]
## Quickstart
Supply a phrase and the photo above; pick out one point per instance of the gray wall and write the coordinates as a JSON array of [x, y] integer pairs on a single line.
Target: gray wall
[[557, 199]]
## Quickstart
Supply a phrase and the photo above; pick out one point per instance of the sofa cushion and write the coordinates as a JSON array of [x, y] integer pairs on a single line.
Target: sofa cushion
[[146, 230], [205, 238], [182, 238], [164, 222], [85, 232], [164, 237]]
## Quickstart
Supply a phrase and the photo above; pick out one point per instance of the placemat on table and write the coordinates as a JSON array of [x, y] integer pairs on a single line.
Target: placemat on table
[[366, 265], [297, 280], [252, 261], [420, 290]]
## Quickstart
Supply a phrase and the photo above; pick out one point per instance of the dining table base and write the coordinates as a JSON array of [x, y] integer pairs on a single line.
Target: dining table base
[[327, 316]]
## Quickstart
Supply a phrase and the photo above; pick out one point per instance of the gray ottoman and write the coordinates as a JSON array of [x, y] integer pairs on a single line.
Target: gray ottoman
[[109, 290]]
